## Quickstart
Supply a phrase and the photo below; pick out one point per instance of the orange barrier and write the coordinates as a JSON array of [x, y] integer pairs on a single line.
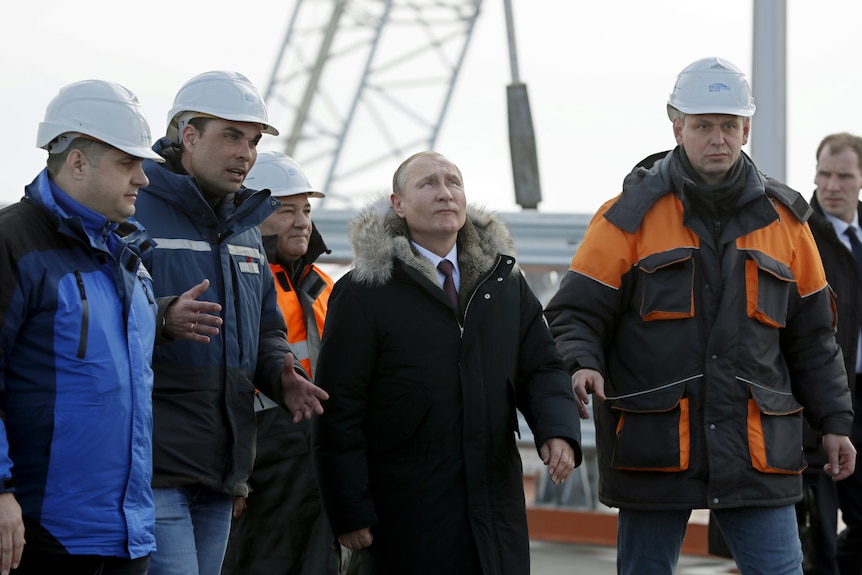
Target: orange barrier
[[596, 528]]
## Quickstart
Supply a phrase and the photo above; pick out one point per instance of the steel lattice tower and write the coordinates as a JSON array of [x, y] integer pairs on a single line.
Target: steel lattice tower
[[360, 84]]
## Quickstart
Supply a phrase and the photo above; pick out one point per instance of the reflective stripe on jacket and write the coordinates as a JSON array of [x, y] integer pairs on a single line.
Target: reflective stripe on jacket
[[203, 404], [709, 351]]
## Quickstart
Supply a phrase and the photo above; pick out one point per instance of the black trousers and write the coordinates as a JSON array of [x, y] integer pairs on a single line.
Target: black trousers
[[44, 555], [849, 551], [817, 515], [32, 563]]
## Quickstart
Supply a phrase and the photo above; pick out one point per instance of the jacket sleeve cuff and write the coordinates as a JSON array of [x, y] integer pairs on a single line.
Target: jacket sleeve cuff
[[164, 303], [838, 425], [8, 485]]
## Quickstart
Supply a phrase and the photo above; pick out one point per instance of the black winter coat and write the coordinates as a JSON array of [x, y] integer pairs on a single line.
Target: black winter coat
[[417, 440], [841, 273]]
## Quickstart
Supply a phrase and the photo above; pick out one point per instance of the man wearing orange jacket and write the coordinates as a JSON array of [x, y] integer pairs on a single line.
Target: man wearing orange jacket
[[696, 314], [280, 529]]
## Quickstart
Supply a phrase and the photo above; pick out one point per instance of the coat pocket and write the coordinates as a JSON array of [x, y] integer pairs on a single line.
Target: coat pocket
[[653, 432], [767, 289], [667, 280], [775, 432]]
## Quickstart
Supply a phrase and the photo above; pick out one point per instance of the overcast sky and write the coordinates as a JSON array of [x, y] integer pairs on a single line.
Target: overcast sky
[[598, 75]]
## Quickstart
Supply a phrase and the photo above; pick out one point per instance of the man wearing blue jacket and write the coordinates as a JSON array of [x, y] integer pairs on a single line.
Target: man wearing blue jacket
[[218, 305], [77, 315]]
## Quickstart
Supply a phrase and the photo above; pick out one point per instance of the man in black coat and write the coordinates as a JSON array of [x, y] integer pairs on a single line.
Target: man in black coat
[[416, 455], [835, 225]]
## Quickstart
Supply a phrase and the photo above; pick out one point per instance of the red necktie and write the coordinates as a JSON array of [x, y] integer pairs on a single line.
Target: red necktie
[[446, 268]]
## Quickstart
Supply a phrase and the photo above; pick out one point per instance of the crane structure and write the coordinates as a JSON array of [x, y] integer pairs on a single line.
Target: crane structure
[[360, 84]]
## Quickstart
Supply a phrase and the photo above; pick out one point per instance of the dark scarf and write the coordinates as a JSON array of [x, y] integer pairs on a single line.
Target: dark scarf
[[710, 201], [294, 269]]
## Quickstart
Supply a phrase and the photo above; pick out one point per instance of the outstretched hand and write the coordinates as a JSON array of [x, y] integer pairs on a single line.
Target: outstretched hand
[[301, 397], [188, 318]]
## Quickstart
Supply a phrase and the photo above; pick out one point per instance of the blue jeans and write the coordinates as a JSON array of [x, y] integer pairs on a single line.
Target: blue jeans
[[192, 527], [763, 540]]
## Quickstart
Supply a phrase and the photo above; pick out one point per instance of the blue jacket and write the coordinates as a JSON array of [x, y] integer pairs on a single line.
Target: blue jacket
[[203, 398], [78, 323]]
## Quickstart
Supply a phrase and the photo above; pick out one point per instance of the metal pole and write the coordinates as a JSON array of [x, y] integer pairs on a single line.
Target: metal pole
[[522, 137], [513, 50], [769, 86]]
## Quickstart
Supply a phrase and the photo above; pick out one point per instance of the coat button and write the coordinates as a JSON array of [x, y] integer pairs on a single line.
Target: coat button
[[487, 296]]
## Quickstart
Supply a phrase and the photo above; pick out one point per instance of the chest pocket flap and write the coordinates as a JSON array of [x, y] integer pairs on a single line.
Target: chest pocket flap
[[667, 285], [767, 288]]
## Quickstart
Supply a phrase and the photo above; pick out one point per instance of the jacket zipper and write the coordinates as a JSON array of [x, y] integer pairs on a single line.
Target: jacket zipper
[[150, 297], [473, 293], [85, 316]]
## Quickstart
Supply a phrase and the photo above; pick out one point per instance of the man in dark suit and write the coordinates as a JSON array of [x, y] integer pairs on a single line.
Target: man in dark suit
[[835, 225]]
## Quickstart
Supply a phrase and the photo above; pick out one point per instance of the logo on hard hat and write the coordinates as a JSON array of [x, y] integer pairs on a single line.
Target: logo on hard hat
[[718, 87]]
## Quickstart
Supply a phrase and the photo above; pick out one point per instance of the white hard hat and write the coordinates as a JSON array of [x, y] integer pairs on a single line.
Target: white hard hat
[[102, 110], [281, 175], [711, 86], [226, 95]]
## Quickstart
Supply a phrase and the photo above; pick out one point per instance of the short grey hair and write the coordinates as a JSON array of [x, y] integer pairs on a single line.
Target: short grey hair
[[674, 114]]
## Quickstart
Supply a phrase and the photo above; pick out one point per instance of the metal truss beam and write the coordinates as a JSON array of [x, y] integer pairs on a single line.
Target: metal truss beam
[[361, 84]]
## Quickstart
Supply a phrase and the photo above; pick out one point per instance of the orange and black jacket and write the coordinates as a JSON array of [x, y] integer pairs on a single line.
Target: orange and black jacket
[[303, 298], [711, 340], [303, 301]]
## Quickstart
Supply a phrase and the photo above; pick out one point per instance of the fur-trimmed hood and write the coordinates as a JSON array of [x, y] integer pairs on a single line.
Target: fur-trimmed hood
[[379, 236]]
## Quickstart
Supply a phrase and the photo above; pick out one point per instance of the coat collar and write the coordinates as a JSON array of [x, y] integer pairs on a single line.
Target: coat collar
[[651, 179], [379, 237], [169, 182]]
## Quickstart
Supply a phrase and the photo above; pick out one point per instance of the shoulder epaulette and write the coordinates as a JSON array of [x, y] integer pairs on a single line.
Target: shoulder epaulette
[[790, 198], [638, 194]]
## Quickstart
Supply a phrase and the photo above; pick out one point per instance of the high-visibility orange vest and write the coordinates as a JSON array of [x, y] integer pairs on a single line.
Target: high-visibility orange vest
[[304, 310]]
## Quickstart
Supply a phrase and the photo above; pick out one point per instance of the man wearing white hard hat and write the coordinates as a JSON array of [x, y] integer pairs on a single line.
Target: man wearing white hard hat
[[697, 316], [221, 335], [281, 528], [77, 325]]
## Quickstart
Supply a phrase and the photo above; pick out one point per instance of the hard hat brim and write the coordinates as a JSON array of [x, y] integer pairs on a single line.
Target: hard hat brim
[[309, 193]]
